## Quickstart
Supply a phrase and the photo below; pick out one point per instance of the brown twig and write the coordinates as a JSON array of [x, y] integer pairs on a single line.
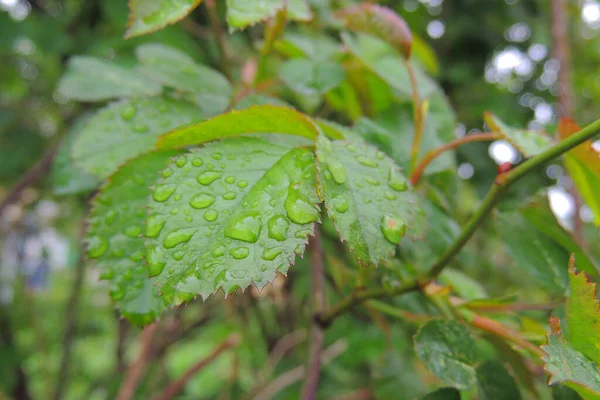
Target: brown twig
[[317, 274], [429, 157], [497, 329], [177, 385], [136, 370], [216, 25]]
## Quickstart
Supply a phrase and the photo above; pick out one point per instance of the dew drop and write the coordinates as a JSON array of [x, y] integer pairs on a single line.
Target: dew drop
[[197, 162], [128, 112], [96, 246], [136, 256], [211, 215], [110, 216], [236, 274], [230, 179], [217, 156], [264, 267], [299, 208], [367, 162], [208, 177], [202, 200], [140, 128], [390, 195], [341, 204], [133, 231], [242, 184], [229, 195], [371, 181], [303, 233], [167, 172], [163, 192], [271, 254], [177, 197], [189, 218], [174, 211], [247, 228], [177, 237], [351, 148], [337, 170], [153, 226], [156, 261], [393, 229], [219, 251], [178, 255], [239, 253], [380, 155], [278, 227], [397, 181], [328, 175], [117, 293], [107, 274], [181, 161], [118, 253]]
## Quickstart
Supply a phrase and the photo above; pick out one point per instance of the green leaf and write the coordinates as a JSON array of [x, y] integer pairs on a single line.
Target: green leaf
[[309, 77], [114, 240], [583, 316], [381, 22], [243, 13], [465, 286], [586, 182], [571, 368], [259, 100], [307, 45], [539, 214], [123, 130], [495, 383], [448, 350], [146, 16], [253, 120], [529, 143], [173, 68], [230, 214], [93, 79], [532, 252], [368, 199], [379, 57], [66, 177], [442, 394]]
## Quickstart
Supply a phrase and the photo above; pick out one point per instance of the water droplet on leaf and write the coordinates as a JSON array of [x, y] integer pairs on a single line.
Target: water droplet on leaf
[[393, 229], [397, 181], [96, 247], [219, 251], [337, 170], [202, 200], [156, 261], [278, 227], [197, 162], [242, 184], [140, 128], [247, 228], [230, 179], [177, 237], [229, 195], [153, 226], [163, 192], [271, 254], [181, 161], [167, 172], [128, 112], [211, 215], [208, 177], [133, 231], [341, 204], [367, 162], [239, 253], [299, 208]]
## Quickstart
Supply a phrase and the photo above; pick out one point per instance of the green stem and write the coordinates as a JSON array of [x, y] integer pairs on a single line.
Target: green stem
[[417, 117], [503, 182], [273, 30]]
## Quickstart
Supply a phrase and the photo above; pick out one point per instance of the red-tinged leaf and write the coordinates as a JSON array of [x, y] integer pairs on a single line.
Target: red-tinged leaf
[[380, 22], [584, 152]]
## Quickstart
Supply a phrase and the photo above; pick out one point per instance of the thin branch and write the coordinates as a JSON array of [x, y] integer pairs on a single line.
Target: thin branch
[[497, 329], [429, 157], [30, 177], [70, 328], [317, 280], [417, 116], [216, 25], [501, 185], [136, 370], [562, 53], [176, 386], [295, 375]]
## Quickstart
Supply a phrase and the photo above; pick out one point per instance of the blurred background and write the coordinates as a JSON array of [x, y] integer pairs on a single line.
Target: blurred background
[[496, 55]]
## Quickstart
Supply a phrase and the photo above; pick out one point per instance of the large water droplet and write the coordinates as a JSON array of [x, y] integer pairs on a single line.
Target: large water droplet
[[167, 172], [371, 181], [397, 181], [239, 253], [230, 179], [271, 254], [163, 192], [278, 227], [208, 177], [247, 228], [202, 200], [140, 128], [181, 161], [393, 229], [337, 170], [133, 231], [367, 162], [174, 238], [217, 156], [178, 255], [153, 226], [96, 246], [390, 195], [229, 195], [156, 261], [197, 162], [242, 184], [303, 233], [211, 215], [299, 208], [341, 204], [219, 251], [128, 112]]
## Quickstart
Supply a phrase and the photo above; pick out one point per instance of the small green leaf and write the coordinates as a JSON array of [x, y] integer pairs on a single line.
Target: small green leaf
[[309, 77], [569, 367], [465, 286], [231, 214], [253, 120], [586, 182], [259, 100], [307, 45], [381, 22], [93, 79], [533, 253], [379, 57], [244, 13], [368, 198], [66, 177], [114, 241], [173, 68], [448, 350], [123, 130], [583, 316], [146, 16], [442, 394], [495, 383], [529, 143]]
